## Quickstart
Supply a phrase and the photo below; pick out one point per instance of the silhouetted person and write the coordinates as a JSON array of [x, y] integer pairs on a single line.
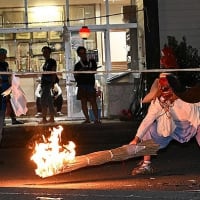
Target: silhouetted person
[[47, 82], [86, 84]]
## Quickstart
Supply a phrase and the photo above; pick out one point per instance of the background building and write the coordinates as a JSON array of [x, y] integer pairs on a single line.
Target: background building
[[126, 36]]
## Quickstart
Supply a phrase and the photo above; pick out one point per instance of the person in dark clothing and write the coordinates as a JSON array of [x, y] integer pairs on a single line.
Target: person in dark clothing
[[86, 84], [47, 82], [5, 83]]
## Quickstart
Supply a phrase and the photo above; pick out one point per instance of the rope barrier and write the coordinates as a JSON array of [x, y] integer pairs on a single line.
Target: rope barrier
[[105, 72]]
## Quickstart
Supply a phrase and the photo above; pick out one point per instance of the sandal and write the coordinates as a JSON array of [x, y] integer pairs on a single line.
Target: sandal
[[143, 169]]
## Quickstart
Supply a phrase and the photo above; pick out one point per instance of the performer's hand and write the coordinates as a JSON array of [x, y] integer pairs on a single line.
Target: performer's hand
[[136, 140]]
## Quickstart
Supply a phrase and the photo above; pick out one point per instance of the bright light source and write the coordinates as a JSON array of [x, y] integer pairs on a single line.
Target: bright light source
[[45, 14]]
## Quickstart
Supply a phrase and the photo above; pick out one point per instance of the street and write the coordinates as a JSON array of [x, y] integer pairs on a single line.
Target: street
[[177, 174]]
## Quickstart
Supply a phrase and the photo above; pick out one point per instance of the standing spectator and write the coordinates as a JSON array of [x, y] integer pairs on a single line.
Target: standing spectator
[[5, 83], [86, 84], [47, 82]]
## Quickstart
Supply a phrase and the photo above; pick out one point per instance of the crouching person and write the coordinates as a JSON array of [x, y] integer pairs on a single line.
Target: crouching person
[[168, 118]]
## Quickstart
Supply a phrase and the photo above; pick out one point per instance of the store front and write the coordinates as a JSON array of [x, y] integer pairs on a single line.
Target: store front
[[116, 40]]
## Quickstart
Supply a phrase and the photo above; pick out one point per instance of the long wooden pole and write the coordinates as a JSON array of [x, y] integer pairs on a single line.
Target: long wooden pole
[[100, 157]]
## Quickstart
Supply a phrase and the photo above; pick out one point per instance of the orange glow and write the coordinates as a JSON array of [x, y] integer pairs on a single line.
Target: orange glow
[[50, 155], [84, 32]]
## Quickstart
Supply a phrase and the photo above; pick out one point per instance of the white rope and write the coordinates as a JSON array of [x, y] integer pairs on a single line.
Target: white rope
[[111, 154], [88, 160], [104, 71]]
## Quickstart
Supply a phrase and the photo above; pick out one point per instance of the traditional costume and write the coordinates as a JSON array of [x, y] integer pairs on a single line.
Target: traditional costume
[[168, 118]]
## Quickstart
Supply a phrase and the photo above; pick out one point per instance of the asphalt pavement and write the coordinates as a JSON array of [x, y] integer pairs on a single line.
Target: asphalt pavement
[[177, 174]]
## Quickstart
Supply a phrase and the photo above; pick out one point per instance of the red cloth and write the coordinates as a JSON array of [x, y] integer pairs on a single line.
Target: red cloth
[[168, 59]]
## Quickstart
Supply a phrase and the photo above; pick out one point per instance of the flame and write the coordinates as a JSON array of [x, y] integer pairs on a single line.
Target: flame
[[50, 155]]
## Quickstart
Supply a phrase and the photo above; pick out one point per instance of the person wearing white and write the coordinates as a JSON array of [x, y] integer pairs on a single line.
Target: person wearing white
[[168, 118]]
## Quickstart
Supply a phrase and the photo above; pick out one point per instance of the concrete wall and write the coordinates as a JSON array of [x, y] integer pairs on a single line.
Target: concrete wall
[[120, 94], [180, 18]]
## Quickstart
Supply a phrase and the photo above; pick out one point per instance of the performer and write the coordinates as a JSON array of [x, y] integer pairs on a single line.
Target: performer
[[168, 118]]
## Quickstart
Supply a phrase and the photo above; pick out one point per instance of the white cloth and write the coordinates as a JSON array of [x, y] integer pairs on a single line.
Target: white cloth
[[165, 125], [38, 91], [180, 111], [56, 89], [18, 99]]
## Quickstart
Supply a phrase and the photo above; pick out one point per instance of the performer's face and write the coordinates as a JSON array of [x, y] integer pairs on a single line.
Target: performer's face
[[164, 88]]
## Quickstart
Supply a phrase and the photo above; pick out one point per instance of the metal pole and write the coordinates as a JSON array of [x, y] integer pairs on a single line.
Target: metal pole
[[67, 40], [26, 13], [107, 40]]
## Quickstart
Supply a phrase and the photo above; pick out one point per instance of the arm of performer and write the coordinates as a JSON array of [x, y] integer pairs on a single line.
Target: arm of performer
[[154, 111]]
